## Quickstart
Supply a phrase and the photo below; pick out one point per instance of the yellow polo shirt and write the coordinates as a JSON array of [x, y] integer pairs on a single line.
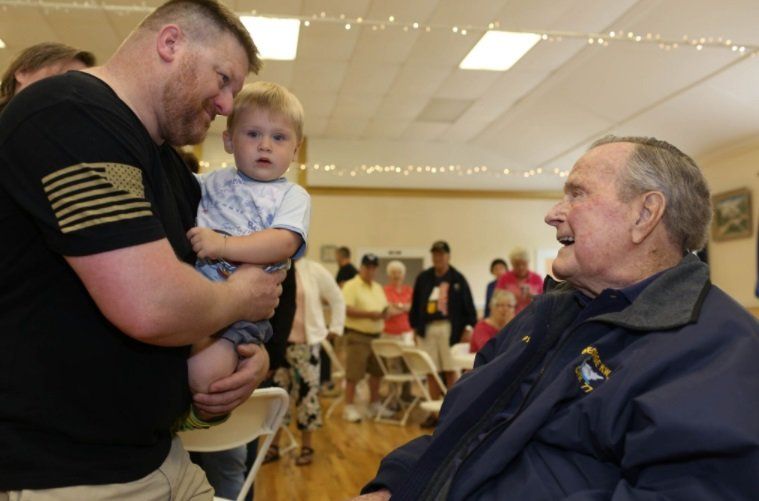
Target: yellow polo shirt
[[360, 295]]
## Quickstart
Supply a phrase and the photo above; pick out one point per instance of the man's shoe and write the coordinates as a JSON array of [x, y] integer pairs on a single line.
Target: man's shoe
[[351, 414], [376, 409]]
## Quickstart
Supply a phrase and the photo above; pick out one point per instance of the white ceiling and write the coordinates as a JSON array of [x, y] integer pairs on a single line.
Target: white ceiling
[[364, 90]]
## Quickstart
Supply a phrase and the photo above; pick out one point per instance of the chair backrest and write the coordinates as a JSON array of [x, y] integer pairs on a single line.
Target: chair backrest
[[421, 365], [260, 415], [384, 349], [337, 366]]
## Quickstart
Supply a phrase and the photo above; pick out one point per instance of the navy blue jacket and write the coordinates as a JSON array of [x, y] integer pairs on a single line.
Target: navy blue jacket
[[461, 310], [664, 405]]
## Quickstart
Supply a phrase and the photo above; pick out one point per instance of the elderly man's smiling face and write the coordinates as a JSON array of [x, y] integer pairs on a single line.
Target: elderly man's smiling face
[[593, 224]]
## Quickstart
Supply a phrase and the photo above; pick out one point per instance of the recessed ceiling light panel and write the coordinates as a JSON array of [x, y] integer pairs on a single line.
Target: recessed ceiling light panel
[[499, 50], [276, 38]]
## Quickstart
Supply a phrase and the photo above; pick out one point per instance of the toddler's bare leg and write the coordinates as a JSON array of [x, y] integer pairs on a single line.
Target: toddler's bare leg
[[211, 359]]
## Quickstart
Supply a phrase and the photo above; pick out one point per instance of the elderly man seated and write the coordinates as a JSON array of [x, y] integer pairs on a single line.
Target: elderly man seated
[[635, 378]]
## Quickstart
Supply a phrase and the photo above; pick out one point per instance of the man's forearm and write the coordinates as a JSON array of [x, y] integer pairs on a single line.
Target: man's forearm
[[151, 296], [350, 311]]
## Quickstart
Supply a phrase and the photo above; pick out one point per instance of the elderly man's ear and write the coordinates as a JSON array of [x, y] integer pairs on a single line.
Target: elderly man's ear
[[650, 207]]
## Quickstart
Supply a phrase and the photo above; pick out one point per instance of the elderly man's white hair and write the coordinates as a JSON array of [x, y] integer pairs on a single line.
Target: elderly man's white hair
[[656, 165]]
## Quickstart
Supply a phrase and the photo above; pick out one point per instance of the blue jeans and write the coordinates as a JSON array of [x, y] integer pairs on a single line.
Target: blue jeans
[[225, 470]]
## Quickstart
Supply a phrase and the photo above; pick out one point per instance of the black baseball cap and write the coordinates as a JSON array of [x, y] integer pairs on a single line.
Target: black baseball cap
[[370, 260], [440, 246]]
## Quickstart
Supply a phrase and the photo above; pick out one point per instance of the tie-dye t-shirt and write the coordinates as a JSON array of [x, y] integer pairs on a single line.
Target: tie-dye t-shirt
[[237, 205]]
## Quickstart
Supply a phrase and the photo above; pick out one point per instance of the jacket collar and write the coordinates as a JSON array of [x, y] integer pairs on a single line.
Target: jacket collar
[[672, 300]]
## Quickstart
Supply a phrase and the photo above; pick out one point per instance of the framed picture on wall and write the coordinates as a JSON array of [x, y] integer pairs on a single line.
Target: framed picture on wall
[[732, 215], [327, 253]]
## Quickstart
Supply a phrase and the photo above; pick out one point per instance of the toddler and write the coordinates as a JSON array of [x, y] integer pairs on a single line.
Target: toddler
[[249, 213]]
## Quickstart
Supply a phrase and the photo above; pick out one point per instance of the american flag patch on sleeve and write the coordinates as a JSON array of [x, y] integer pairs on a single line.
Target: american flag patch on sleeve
[[91, 194]]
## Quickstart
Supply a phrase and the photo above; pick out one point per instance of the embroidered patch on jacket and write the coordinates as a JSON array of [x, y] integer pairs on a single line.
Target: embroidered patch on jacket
[[86, 195], [592, 371]]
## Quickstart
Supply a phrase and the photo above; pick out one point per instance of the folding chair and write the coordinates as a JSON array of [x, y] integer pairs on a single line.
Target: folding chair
[[420, 364], [260, 415], [384, 350], [338, 375], [463, 360]]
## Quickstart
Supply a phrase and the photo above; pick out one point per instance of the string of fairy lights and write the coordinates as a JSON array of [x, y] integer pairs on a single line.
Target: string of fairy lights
[[392, 22], [450, 170]]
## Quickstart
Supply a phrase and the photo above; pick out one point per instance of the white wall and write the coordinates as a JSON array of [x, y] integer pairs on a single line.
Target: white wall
[[733, 262], [477, 230]]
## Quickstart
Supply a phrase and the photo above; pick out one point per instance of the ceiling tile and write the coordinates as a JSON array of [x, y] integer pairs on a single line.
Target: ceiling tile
[[356, 106], [346, 128], [319, 76], [467, 84], [369, 78], [424, 131]]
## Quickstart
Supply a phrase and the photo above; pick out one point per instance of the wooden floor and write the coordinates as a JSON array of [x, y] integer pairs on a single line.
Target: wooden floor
[[347, 456]]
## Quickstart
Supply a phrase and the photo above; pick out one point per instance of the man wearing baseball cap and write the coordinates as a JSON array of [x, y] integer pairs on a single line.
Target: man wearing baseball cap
[[366, 309], [442, 309]]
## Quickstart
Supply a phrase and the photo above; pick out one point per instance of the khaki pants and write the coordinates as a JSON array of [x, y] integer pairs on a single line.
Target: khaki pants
[[177, 479], [436, 342], [360, 358]]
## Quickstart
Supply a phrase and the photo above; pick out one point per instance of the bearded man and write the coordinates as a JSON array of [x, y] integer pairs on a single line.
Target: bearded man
[[99, 302]]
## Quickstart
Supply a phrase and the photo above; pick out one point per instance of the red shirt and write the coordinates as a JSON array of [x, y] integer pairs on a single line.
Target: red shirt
[[398, 324], [483, 332], [532, 283]]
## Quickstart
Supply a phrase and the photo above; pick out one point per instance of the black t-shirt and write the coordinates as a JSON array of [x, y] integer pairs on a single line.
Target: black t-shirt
[[80, 402], [345, 273]]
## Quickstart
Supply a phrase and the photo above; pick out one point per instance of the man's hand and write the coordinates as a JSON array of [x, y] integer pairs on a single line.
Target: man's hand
[[229, 392], [382, 495], [261, 290], [206, 242]]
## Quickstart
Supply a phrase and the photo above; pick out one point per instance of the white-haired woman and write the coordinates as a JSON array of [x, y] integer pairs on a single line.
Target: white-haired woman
[[502, 309], [399, 303], [520, 281]]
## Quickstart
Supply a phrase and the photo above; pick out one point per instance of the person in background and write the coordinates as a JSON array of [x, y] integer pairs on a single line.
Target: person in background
[[634, 379], [366, 309], [40, 61], [520, 281], [345, 270], [99, 203], [442, 314], [315, 287], [398, 296], [497, 268], [503, 306]]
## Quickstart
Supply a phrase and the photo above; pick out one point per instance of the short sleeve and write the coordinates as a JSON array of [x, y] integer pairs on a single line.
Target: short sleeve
[[349, 293], [74, 172], [294, 214]]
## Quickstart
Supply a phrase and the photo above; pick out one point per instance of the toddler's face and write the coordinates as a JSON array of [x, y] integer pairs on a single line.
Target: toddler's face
[[263, 143]]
